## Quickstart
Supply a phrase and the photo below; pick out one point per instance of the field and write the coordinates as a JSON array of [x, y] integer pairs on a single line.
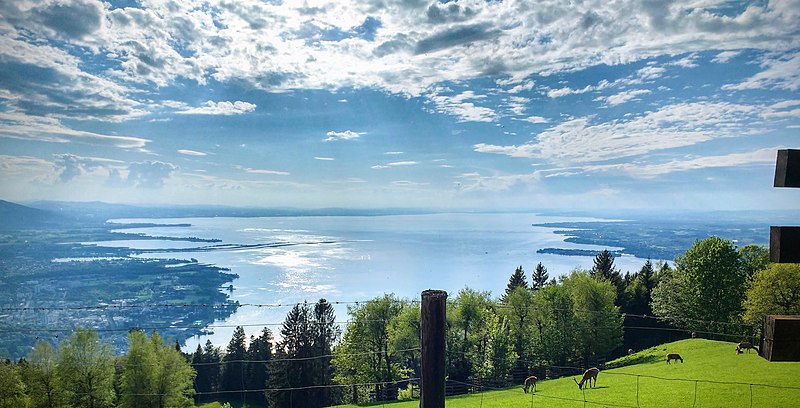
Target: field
[[712, 375]]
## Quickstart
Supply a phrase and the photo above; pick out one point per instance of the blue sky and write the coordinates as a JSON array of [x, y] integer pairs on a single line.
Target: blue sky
[[389, 103]]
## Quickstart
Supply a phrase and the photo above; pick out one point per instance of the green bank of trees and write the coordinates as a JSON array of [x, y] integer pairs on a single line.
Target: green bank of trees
[[722, 291], [575, 320], [82, 372]]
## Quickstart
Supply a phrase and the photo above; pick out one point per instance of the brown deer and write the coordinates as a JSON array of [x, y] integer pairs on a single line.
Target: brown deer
[[745, 346], [590, 374], [674, 356], [530, 382]]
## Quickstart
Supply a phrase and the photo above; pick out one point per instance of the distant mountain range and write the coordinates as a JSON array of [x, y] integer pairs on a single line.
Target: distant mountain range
[[41, 214], [15, 216]]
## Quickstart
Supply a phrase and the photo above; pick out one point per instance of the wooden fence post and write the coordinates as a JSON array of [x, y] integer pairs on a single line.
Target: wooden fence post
[[434, 318]]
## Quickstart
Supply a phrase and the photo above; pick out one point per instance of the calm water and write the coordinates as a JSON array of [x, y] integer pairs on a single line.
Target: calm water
[[347, 258]]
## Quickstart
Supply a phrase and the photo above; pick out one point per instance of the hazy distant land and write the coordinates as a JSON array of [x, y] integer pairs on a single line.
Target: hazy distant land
[[44, 266]]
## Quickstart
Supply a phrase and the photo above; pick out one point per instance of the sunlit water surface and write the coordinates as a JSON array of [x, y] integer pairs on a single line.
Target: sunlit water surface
[[351, 258]]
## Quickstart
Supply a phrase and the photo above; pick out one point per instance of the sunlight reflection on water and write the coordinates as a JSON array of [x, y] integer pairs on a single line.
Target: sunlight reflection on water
[[358, 258]]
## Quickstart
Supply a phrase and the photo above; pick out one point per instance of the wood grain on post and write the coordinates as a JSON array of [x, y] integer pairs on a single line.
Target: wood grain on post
[[434, 317]]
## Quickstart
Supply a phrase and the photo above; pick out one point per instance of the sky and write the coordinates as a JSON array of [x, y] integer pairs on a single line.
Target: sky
[[487, 105]]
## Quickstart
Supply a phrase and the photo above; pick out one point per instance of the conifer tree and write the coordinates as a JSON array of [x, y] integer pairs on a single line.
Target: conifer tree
[[604, 269], [293, 368], [233, 369], [326, 332], [540, 277], [258, 354], [517, 280], [206, 362]]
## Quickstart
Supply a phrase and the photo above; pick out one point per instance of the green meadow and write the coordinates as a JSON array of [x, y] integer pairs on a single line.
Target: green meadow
[[712, 375]]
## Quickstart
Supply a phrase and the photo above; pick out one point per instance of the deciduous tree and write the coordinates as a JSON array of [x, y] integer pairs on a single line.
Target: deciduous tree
[[41, 377], [754, 258], [369, 332], [706, 289], [597, 320], [155, 375], [469, 317], [12, 389], [86, 370], [773, 290]]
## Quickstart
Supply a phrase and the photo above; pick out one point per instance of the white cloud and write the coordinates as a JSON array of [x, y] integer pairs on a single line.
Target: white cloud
[[626, 96], [324, 158], [476, 182], [406, 183], [70, 166], [778, 73], [689, 61], [149, 174], [725, 56], [395, 164], [581, 141], [267, 172], [525, 86], [192, 152], [399, 47], [534, 119], [27, 168], [650, 72], [346, 135], [46, 129], [220, 108], [392, 153], [759, 157], [459, 106]]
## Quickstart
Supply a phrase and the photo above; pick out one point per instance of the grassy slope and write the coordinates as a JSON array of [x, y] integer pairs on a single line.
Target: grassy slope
[[703, 360]]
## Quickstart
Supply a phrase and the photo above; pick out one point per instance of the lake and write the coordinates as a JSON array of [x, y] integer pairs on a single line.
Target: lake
[[357, 258]]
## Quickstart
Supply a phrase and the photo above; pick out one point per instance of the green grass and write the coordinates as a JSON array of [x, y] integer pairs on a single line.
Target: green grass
[[650, 382]]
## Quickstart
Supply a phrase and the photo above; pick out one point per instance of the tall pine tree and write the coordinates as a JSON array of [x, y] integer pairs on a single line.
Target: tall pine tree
[[206, 362], [540, 277], [517, 280], [604, 269], [326, 332], [293, 367], [233, 369], [259, 354]]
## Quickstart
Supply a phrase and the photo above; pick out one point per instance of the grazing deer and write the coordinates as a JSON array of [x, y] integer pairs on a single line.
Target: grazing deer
[[674, 356], [530, 382], [745, 346], [590, 374]]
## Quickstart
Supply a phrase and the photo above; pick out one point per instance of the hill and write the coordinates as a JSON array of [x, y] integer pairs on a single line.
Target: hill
[[15, 216], [712, 375]]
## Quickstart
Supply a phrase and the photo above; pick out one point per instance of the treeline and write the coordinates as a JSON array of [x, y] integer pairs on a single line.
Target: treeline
[[82, 372], [579, 319]]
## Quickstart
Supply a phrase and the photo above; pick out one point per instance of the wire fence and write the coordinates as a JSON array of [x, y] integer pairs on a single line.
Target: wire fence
[[498, 305]]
